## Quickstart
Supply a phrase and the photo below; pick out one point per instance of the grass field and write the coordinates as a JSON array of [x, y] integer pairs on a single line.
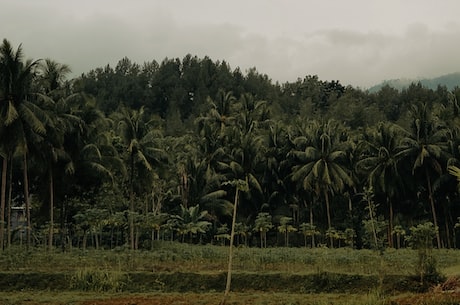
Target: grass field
[[175, 273]]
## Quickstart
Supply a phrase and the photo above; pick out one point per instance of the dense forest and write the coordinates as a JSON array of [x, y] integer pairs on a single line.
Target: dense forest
[[124, 156]]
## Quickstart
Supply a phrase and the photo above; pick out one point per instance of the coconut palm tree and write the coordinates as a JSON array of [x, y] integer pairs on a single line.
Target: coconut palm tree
[[60, 124], [52, 76], [142, 148], [378, 162], [320, 159], [51, 150], [425, 147], [277, 168], [246, 151], [19, 116], [220, 111]]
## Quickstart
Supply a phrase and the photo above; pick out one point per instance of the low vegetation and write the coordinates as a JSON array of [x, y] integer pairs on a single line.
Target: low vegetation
[[173, 267]]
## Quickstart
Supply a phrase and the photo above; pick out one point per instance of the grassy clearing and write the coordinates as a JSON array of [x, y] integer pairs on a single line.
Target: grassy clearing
[[177, 257], [173, 271]]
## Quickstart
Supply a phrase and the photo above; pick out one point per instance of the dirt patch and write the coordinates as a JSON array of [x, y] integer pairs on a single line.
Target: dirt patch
[[429, 299], [152, 300], [188, 299], [446, 293]]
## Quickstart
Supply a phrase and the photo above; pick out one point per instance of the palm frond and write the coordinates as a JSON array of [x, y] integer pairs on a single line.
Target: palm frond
[[11, 114]]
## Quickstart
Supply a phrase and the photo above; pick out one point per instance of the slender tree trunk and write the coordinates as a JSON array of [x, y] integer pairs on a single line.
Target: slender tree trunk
[[63, 226], [10, 192], [27, 201], [2, 203], [328, 210], [94, 240], [230, 252], [51, 232], [371, 217], [85, 234], [390, 229], [433, 209], [446, 222], [313, 245], [131, 204]]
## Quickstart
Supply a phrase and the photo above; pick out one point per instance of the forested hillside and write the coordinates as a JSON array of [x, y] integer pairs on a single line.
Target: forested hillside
[[451, 81], [125, 155]]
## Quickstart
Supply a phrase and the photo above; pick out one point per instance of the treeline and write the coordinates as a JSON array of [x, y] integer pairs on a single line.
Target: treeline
[[128, 155]]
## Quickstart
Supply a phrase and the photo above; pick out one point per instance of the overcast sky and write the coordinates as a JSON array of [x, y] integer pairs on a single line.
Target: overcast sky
[[359, 42]]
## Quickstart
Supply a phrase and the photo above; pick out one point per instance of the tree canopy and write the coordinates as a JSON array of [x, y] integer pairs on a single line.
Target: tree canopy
[[139, 152]]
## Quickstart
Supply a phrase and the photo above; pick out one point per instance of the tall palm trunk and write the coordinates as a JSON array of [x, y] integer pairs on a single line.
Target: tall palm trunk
[[51, 232], [433, 209], [2, 203], [131, 204], [371, 217], [27, 201], [63, 226], [313, 244], [10, 192], [329, 223], [230, 252], [390, 223]]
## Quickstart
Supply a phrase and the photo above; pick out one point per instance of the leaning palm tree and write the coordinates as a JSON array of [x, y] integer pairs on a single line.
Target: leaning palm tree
[[19, 116], [320, 162], [240, 186], [425, 147]]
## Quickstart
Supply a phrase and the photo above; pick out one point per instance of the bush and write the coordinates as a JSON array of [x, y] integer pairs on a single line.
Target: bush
[[98, 280], [421, 239]]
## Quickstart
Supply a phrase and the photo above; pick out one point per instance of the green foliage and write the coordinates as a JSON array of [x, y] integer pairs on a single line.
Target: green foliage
[[421, 238], [422, 235], [99, 140], [98, 280], [262, 225]]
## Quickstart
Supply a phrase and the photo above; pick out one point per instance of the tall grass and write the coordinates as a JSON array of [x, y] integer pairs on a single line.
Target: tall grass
[[87, 279], [178, 257]]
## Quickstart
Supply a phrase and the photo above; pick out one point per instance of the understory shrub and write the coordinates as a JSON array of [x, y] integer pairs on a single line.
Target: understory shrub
[[98, 280]]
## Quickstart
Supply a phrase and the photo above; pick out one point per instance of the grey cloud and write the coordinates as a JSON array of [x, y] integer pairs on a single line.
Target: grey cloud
[[86, 36]]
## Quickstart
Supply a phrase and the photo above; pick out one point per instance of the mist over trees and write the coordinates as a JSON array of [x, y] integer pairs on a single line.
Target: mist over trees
[[139, 152]]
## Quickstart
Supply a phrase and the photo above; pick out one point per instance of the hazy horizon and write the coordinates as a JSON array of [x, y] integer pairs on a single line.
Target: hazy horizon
[[357, 42]]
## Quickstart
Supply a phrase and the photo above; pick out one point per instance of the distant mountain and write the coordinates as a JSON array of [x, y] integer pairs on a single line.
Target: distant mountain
[[449, 80]]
